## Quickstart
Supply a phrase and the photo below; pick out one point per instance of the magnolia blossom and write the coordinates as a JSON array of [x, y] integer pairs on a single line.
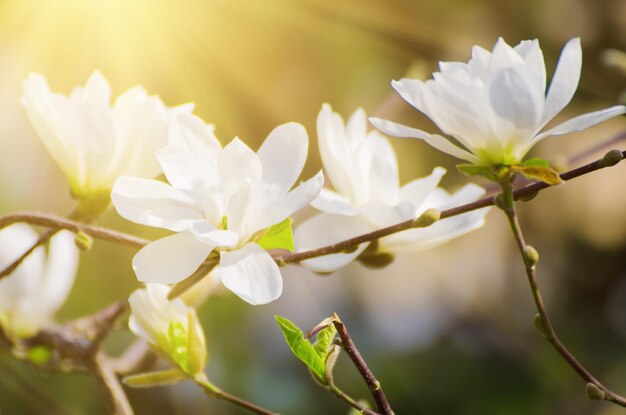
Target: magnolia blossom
[[363, 169], [496, 105], [94, 142], [220, 199], [40, 285], [170, 326]]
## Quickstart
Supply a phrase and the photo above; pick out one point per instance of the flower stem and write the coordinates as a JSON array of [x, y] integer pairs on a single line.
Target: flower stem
[[544, 323], [213, 391]]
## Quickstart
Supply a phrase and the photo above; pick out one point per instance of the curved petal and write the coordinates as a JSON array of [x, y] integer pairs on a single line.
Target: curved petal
[[283, 154], [154, 203], [61, 268], [97, 89], [293, 201], [444, 230], [382, 173], [334, 150], [251, 273], [171, 259], [238, 166], [530, 51], [207, 234], [331, 202], [565, 80], [582, 122], [326, 229], [418, 190], [437, 141]]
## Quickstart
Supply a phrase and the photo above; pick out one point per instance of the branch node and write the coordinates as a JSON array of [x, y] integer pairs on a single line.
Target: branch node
[[594, 392]]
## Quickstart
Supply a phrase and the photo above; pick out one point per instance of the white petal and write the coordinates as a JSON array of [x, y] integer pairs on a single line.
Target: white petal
[[437, 141], [238, 166], [516, 96], [61, 269], [565, 80], [283, 154], [326, 229], [171, 259], [331, 202], [97, 89], [583, 122], [381, 214], [530, 51], [383, 168], [416, 191], [251, 273], [208, 234], [154, 203], [411, 90], [190, 160], [293, 201], [444, 230]]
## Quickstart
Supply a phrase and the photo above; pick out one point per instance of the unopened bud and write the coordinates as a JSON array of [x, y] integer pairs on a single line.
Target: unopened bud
[[594, 392], [611, 158], [83, 241], [528, 197], [540, 325], [427, 218], [499, 201], [376, 261], [531, 254]]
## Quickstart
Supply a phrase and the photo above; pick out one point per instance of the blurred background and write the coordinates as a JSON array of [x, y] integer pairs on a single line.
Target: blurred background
[[447, 331]]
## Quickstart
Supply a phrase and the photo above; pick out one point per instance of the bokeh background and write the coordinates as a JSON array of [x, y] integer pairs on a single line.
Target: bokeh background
[[447, 331]]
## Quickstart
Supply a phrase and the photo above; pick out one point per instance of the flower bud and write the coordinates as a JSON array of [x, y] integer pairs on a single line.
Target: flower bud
[[83, 241], [611, 158], [594, 392], [427, 218], [170, 326], [531, 255]]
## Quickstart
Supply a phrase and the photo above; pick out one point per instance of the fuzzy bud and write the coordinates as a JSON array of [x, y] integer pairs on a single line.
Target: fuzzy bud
[[611, 158]]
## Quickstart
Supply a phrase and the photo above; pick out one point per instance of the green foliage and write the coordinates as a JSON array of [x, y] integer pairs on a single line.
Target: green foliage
[[535, 161], [278, 236], [302, 348], [324, 339]]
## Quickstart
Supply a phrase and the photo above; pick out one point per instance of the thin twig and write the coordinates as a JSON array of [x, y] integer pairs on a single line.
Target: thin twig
[[355, 404], [215, 392], [373, 384], [545, 325], [110, 385], [448, 213]]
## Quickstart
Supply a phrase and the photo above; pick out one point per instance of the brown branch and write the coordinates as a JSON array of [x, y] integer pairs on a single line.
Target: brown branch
[[110, 385], [372, 383], [348, 244], [595, 389]]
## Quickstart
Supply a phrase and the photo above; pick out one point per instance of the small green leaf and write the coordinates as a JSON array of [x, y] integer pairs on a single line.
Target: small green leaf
[[544, 174], [474, 170], [152, 379], [278, 236], [177, 336], [301, 347], [324, 339], [39, 355], [535, 161]]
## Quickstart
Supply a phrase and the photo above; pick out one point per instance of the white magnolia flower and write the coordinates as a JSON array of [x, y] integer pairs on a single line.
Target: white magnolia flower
[[363, 169], [219, 199], [40, 285], [496, 105], [93, 142], [170, 326]]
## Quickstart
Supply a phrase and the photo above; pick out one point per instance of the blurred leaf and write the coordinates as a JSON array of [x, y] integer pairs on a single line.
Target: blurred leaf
[[474, 170], [39, 355], [301, 347], [178, 339], [535, 161], [278, 236]]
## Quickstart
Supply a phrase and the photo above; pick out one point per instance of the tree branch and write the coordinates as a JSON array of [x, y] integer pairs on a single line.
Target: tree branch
[[595, 389]]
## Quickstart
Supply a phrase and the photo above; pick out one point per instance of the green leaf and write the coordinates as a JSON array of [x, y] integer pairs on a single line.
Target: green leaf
[[535, 161], [152, 379], [474, 170], [324, 339], [278, 236], [544, 174], [177, 336], [301, 347]]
